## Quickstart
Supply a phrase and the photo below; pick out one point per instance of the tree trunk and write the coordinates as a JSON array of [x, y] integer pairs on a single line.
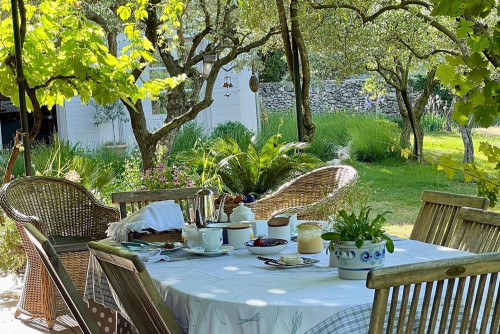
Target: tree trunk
[[147, 145], [404, 139], [35, 129], [466, 132], [308, 124]]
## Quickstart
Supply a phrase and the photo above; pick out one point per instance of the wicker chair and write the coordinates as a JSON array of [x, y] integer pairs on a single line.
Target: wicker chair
[[307, 194], [436, 221], [478, 231], [457, 295], [67, 214]]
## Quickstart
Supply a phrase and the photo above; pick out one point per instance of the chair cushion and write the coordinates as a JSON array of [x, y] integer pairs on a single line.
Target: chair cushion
[[159, 216]]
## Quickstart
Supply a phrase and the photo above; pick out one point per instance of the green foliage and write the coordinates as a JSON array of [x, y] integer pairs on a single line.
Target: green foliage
[[418, 82], [11, 248], [432, 122], [372, 140], [162, 176], [473, 77], [252, 170], [258, 171], [188, 136], [359, 228], [275, 67], [234, 130]]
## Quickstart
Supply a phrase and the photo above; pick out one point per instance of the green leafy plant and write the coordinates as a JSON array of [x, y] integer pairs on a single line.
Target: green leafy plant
[[359, 228], [233, 130], [258, 171]]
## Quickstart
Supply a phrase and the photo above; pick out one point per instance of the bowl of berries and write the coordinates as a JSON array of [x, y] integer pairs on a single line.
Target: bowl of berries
[[266, 246]]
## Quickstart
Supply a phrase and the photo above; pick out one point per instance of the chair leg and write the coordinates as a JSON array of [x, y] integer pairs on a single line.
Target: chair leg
[[17, 314], [50, 323]]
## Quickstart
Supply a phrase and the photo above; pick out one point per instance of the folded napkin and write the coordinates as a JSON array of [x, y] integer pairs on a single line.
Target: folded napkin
[[159, 216], [154, 256]]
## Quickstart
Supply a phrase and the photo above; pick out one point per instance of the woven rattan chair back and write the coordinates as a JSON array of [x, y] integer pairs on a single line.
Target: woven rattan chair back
[[459, 295], [131, 201], [138, 297], [59, 209], [478, 231], [62, 280], [309, 194], [436, 221]]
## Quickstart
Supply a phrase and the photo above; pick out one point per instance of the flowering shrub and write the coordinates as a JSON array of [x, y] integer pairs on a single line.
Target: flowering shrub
[[165, 177]]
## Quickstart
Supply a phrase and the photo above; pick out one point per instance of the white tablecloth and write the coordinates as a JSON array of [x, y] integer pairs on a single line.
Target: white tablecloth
[[237, 293]]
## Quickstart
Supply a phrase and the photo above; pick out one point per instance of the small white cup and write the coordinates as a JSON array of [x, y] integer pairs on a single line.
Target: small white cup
[[238, 234], [211, 238], [279, 232]]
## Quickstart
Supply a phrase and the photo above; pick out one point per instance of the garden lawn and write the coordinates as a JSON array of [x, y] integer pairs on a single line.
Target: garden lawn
[[397, 185]]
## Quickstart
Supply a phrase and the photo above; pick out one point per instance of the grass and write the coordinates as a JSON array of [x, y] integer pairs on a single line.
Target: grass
[[397, 185]]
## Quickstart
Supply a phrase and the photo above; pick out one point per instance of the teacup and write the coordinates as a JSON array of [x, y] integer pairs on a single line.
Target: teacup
[[238, 234], [211, 238]]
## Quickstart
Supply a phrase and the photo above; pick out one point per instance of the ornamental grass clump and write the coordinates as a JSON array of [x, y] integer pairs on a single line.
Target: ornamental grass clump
[[359, 228]]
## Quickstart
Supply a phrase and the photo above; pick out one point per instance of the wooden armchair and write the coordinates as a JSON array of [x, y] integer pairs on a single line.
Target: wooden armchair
[[138, 297], [436, 220], [445, 296], [307, 194], [130, 201], [478, 231], [62, 280], [69, 216]]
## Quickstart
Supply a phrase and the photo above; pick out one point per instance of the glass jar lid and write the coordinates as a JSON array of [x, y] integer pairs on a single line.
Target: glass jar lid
[[309, 226]]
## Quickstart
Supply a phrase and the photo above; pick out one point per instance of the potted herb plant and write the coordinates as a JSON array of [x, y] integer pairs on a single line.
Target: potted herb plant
[[358, 243], [109, 114]]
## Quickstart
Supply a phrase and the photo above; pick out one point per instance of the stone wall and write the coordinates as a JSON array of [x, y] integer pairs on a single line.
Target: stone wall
[[328, 96]]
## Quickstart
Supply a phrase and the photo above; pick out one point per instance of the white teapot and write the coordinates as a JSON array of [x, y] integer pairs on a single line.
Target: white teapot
[[241, 213]]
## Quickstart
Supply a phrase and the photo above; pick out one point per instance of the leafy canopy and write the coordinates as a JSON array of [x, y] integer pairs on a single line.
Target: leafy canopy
[[64, 55]]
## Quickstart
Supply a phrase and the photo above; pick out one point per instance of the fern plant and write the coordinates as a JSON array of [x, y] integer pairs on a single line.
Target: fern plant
[[251, 171], [257, 171]]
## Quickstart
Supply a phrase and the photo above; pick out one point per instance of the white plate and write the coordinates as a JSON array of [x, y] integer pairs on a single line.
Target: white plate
[[200, 251]]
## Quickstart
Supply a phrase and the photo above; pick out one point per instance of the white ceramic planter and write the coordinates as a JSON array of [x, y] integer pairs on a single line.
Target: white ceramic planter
[[355, 263]]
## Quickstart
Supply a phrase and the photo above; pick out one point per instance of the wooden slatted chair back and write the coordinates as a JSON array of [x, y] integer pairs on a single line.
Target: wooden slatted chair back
[[478, 231], [138, 297], [132, 201], [62, 281], [436, 221], [458, 295]]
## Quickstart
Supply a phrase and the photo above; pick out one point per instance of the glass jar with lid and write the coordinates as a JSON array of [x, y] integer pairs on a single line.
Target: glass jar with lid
[[309, 238]]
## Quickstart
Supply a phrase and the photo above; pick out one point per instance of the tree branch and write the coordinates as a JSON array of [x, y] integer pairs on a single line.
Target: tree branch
[[428, 55], [46, 84], [364, 16]]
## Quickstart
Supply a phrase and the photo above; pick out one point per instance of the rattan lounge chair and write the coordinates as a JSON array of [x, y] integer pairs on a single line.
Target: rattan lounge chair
[[69, 216], [445, 296], [309, 194], [138, 297], [62, 281], [436, 220]]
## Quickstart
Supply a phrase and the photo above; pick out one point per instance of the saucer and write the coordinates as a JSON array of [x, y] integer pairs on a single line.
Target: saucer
[[201, 251]]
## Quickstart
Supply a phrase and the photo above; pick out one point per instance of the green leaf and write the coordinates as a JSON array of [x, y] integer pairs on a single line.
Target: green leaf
[[465, 28], [446, 73], [124, 12], [478, 75], [447, 8], [478, 43]]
